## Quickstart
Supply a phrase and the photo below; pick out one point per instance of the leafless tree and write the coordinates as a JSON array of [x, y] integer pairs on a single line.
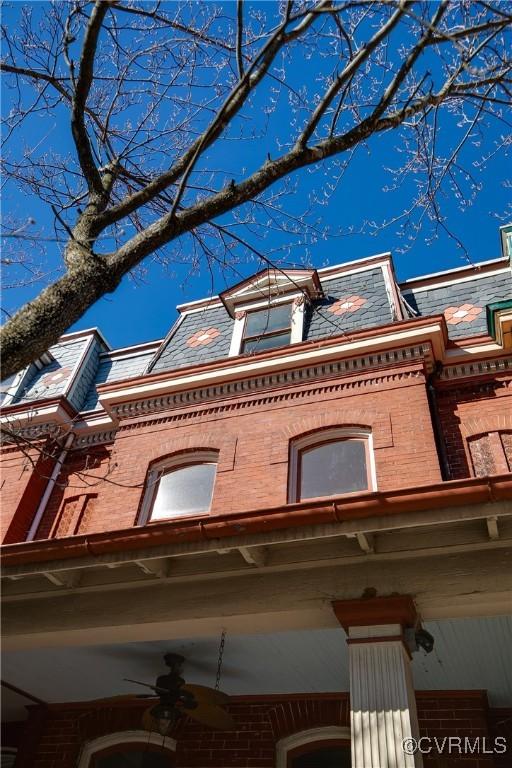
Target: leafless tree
[[156, 93]]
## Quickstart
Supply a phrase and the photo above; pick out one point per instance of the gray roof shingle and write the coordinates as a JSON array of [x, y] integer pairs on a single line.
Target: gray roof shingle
[[477, 293], [180, 350], [52, 380], [323, 318], [115, 369]]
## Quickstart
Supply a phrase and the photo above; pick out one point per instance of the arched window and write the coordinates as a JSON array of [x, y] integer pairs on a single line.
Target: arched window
[[331, 463], [181, 486], [128, 749], [324, 747], [133, 756], [327, 754]]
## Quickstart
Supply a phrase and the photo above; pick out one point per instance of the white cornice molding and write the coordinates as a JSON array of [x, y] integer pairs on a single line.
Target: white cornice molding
[[232, 388], [259, 374], [378, 346], [424, 284], [476, 368], [37, 418]]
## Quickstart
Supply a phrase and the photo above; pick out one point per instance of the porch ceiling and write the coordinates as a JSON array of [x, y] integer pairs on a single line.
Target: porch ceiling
[[468, 654]]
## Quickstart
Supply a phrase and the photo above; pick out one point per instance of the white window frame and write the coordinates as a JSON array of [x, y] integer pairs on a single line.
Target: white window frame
[[296, 320], [183, 459], [304, 738], [120, 738], [319, 437]]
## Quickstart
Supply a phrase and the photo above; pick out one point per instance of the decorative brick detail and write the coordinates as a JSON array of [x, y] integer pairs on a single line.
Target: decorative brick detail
[[74, 515], [261, 721], [378, 422], [506, 441], [347, 304], [466, 313], [482, 456], [468, 410], [203, 337], [224, 444], [251, 429], [483, 423]]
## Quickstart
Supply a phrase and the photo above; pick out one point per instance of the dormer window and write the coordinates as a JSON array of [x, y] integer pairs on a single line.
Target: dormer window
[[267, 328], [268, 309]]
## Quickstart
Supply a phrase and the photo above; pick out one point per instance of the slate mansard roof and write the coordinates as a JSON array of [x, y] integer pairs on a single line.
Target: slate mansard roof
[[353, 296]]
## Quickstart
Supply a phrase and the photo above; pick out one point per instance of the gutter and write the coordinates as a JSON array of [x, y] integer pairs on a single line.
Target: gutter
[[438, 430], [49, 488], [454, 493]]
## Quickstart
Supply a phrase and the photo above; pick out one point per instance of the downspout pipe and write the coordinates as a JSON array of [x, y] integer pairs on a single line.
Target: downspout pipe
[[438, 433], [49, 488]]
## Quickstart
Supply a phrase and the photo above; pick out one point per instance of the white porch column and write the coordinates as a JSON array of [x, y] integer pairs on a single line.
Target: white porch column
[[382, 700]]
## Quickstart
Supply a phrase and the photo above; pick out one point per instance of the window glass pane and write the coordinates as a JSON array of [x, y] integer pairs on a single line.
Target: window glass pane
[[266, 342], [134, 759], [333, 468], [184, 491], [267, 320], [324, 757]]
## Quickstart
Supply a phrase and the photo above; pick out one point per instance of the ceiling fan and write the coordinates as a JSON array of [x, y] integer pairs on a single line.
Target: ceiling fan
[[178, 698]]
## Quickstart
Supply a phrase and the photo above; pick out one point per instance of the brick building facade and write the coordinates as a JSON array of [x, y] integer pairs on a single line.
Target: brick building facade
[[316, 463]]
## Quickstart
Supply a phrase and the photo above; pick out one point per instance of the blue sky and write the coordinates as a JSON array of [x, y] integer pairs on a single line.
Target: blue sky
[[144, 309]]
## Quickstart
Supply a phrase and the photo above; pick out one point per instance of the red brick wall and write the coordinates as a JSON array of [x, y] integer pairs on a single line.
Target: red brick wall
[[470, 409], [101, 488], [261, 723], [24, 478], [252, 436], [455, 713]]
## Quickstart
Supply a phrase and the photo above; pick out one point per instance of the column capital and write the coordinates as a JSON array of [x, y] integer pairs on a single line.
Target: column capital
[[371, 611]]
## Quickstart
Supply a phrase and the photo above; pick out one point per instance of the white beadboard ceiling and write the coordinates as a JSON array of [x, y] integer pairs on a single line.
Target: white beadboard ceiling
[[468, 654]]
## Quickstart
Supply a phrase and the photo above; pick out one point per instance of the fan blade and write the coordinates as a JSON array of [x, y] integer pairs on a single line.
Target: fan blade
[[212, 716], [159, 691], [202, 693], [108, 699]]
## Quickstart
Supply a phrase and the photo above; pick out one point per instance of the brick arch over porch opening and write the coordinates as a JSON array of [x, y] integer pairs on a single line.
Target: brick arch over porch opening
[[121, 739], [273, 718], [378, 422], [311, 736]]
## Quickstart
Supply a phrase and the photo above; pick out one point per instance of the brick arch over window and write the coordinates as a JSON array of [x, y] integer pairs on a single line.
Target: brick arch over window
[[482, 425], [489, 443], [224, 445], [378, 422], [120, 739]]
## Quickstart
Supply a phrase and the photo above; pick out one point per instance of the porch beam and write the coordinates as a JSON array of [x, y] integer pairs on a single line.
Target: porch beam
[[444, 586]]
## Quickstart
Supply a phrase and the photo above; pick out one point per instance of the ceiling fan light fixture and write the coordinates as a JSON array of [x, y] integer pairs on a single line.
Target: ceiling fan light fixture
[[164, 716]]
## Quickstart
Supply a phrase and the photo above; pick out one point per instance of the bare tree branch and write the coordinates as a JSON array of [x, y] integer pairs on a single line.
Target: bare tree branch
[[158, 96], [83, 86]]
